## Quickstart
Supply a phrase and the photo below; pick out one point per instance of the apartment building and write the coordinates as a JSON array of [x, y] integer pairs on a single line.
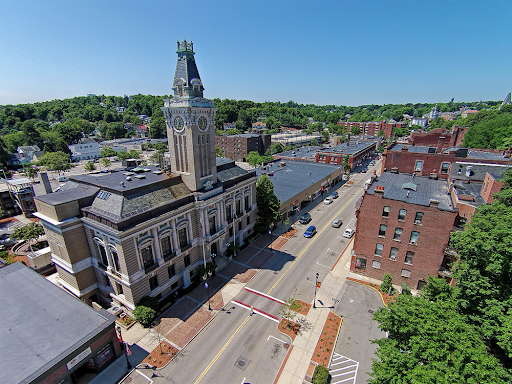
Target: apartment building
[[236, 147], [403, 228]]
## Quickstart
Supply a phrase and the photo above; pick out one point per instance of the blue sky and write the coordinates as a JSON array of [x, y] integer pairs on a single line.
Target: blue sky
[[344, 52]]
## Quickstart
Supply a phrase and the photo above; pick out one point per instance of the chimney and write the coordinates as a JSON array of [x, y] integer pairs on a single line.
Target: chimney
[[433, 174], [379, 189], [405, 149], [46, 182], [434, 203]]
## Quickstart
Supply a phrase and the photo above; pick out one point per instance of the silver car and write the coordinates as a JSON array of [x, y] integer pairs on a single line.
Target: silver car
[[336, 223]]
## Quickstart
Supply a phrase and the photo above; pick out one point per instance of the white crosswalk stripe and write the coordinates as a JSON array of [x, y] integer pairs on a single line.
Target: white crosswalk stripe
[[343, 369]]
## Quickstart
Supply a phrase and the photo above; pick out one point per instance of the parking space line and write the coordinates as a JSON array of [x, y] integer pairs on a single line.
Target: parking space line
[[339, 369]]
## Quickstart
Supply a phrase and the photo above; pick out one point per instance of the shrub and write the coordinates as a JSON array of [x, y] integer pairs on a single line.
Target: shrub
[[151, 302], [386, 283], [321, 375], [144, 315]]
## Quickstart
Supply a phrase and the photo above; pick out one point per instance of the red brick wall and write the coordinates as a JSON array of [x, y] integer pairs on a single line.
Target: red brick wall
[[436, 137], [405, 162], [434, 233], [490, 188], [62, 371]]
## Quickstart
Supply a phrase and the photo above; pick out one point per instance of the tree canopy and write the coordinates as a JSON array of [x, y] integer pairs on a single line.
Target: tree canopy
[[268, 204]]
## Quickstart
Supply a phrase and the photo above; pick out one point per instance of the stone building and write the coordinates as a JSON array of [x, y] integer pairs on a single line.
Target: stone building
[[117, 237]]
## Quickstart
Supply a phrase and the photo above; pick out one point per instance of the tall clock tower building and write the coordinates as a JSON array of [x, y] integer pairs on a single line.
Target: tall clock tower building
[[190, 125]]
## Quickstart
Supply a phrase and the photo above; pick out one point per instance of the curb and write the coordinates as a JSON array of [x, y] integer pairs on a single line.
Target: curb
[[359, 282], [283, 365], [341, 254]]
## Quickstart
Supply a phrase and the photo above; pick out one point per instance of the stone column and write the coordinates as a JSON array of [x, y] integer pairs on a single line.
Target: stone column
[[158, 254], [174, 236]]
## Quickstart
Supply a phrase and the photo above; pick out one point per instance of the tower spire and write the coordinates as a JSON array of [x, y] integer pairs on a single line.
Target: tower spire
[[187, 82]]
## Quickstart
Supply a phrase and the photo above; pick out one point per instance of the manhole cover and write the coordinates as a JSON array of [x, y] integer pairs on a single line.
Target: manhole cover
[[242, 362], [370, 311]]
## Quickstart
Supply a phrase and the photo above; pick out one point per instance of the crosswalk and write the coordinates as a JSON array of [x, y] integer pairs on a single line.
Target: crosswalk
[[343, 369]]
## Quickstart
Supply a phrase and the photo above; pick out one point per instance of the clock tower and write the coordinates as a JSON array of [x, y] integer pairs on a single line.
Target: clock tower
[[190, 119]]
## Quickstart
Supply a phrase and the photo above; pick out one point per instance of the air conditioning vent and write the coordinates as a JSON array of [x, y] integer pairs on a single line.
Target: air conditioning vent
[[115, 310]]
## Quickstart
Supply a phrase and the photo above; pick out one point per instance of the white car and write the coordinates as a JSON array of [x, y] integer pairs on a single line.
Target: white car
[[328, 200], [349, 232]]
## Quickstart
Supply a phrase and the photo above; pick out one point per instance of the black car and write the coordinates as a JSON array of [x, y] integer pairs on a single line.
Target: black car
[[305, 218]]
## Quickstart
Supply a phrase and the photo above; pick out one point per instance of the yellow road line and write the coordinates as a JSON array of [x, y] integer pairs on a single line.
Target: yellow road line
[[221, 350], [307, 246]]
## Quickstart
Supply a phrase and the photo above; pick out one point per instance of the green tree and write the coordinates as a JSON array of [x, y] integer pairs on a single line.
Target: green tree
[[30, 171], [89, 167], [107, 152], [314, 142], [28, 233], [218, 152], [325, 136], [346, 164], [386, 285], [105, 161], [431, 342], [115, 131], [355, 130], [268, 204], [55, 161], [157, 128]]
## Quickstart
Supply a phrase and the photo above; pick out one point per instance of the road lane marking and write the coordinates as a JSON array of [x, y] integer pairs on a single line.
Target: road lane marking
[[143, 375], [307, 246], [222, 350], [264, 295], [257, 311], [323, 265], [268, 338]]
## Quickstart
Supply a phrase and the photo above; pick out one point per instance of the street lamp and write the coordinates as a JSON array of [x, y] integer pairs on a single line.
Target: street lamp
[[270, 227], [316, 284], [206, 278], [128, 365]]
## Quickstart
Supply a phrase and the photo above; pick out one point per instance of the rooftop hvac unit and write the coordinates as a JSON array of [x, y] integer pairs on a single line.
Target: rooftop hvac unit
[[115, 310]]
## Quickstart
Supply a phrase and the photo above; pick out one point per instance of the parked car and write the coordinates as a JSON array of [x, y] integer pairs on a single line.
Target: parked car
[[62, 178], [336, 223], [310, 232], [334, 195], [328, 200], [349, 232], [305, 218], [372, 162]]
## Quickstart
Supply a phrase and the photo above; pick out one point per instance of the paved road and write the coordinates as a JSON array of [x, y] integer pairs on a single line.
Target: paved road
[[239, 348]]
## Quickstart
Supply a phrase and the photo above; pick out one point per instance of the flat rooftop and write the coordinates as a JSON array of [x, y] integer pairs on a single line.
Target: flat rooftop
[[41, 324], [478, 170], [346, 149], [414, 190], [302, 152], [296, 176]]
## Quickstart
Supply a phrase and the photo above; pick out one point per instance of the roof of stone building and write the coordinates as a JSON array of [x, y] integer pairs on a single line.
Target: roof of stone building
[[42, 326], [397, 186]]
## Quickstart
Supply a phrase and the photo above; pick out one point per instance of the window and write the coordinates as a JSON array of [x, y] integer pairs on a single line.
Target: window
[[406, 273], [378, 249], [408, 257], [401, 214], [376, 264], [238, 208], [393, 253], [445, 167], [230, 231], [382, 230], [398, 234], [147, 256], [419, 166], [103, 254], [211, 222], [172, 270], [115, 259], [360, 263], [182, 237], [229, 211], [414, 237], [246, 202], [165, 242], [153, 282], [385, 211], [186, 260], [418, 218]]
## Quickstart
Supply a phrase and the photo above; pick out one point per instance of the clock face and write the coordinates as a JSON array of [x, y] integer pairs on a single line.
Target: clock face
[[202, 123], [178, 124]]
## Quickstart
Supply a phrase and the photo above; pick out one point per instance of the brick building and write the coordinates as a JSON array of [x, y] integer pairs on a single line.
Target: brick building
[[117, 237], [236, 147], [357, 150], [372, 128], [426, 160], [439, 137], [403, 228], [48, 336]]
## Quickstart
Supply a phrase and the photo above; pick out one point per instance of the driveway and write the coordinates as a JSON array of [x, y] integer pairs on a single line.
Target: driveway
[[354, 351]]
